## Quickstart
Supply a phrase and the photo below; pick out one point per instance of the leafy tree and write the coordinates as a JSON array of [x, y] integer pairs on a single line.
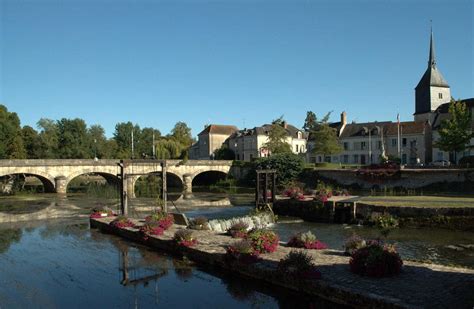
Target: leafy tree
[[98, 145], [224, 153], [167, 148], [11, 142], [288, 166], [277, 138], [181, 135], [323, 137], [123, 138], [145, 145], [31, 141], [455, 132], [73, 142], [49, 139], [310, 122]]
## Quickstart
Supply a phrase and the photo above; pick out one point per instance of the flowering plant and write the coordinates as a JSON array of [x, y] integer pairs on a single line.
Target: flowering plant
[[263, 241], [185, 238], [163, 219], [238, 230], [122, 222], [242, 251], [295, 193], [298, 265], [151, 229], [102, 212], [354, 243], [376, 260], [199, 223], [306, 240]]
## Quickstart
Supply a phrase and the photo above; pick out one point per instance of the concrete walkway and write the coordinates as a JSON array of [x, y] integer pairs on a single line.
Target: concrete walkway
[[418, 286]]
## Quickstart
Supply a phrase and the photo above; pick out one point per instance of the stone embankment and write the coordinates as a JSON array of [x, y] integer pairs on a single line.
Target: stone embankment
[[419, 285], [257, 221]]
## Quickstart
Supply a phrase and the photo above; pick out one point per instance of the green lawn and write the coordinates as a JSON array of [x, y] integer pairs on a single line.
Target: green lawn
[[418, 201]]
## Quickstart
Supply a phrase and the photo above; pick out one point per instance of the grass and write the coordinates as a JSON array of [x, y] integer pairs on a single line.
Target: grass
[[419, 201]]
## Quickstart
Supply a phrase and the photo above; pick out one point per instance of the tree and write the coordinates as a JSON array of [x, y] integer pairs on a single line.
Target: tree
[[288, 167], [224, 153], [11, 141], [48, 137], [31, 141], [455, 132], [123, 138], [310, 121], [145, 145], [181, 134], [323, 137], [73, 140], [277, 138]]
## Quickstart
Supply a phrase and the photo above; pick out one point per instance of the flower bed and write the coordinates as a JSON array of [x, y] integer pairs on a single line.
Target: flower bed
[[298, 265], [294, 193], [353, 243], [122, 222], [161, 218], [102, 213], [199, 223], [238, 230], [376, 260], [242, 251], [263, 241], [185, 238], [306, 240], [151, 229]]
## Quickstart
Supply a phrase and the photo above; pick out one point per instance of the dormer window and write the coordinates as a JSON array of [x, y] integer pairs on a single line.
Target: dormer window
[[440, 95], [299, 135]]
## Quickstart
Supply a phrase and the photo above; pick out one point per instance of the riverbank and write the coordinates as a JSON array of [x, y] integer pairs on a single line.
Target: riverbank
[[419, 284]]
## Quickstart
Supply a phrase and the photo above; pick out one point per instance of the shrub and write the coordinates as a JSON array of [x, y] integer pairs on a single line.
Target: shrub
[[288, 166], [151, 229], [102, 212], [376, 260], [294, 193], [242, 251], [238, 230], [386, 223], [184, 238], [306, 240], [298, 265], [263, 241], [122, 222], [163, 219], [199, 223], [353, 243]]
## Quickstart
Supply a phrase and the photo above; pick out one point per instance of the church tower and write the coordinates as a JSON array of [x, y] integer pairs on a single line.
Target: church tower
[[432, 90]]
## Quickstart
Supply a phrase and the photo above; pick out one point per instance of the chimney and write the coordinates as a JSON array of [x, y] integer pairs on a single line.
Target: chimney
[[343, 118], [285, 125]]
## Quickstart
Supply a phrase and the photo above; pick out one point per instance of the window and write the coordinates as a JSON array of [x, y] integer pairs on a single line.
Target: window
[[299, 136], [379, 145], [404, 142], [440, 95], [356, 159], [404, 158], [440, 155], [346, 146], [238, 157], [394, 142], [363, 145], [346, 159], [297, 148], [251, 157]]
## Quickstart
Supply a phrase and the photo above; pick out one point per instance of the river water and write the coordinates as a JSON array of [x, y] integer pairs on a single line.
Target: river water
[[50, 258]]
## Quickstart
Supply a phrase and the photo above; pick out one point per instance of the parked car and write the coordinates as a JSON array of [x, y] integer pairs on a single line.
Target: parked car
[[440, 163]]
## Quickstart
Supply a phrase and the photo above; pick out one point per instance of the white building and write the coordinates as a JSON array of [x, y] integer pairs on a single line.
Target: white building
[[209, 140]]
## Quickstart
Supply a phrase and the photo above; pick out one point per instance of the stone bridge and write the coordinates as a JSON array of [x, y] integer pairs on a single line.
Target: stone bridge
[[56, 174]]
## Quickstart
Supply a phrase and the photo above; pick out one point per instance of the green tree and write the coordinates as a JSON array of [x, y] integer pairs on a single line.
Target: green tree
[[277, 138], [31, 141], [455, 132], [145, 145], [181, 134], [123, 138], [288, 165], [323, 137], [73, 142], [11, 141], [224, 153], [98, 145], [49, 137], [310, 122]]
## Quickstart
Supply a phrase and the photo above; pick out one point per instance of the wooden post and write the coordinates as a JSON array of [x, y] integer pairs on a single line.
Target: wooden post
[[257, 189], [273, 187], [123, 186], [265, 196], [164, 190]]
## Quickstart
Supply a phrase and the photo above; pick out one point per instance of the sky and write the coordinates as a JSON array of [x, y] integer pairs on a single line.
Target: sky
[[236, 62]]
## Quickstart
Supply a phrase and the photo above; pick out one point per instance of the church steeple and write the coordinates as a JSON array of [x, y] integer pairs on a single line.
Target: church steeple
[[432, 60], [432, 90]]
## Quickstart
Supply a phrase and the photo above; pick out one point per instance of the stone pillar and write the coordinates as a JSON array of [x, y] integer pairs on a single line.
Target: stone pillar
[[188, 183], [60, 184], [131, 186]]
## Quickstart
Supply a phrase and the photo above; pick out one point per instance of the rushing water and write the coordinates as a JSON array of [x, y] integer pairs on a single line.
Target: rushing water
[[50, 258]]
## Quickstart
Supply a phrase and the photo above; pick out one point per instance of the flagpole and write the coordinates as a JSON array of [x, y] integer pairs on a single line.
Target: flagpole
[[154, 151], [398, 135], [133, 155]]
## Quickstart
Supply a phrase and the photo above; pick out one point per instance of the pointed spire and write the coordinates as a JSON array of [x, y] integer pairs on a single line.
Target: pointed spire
[[432, 60]]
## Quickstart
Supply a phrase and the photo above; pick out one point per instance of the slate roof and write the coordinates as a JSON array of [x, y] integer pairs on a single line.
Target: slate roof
[[361, 129], [432, 76], [263, 130], [219, 129], [389, 128], [442, 112]]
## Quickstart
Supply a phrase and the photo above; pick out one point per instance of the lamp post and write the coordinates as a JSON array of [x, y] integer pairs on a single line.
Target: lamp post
[[95, 149]]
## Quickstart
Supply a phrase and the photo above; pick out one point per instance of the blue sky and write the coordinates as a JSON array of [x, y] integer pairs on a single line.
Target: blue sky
[[228, 62]]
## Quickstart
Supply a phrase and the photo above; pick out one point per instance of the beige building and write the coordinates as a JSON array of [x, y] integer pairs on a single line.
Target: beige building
[[366, 143], [209, 140], [249, 144]]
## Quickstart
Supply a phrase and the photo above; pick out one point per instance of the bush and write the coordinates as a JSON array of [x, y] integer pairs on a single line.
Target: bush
[[238, 230], [287, 165], [386, 223], [161, 218], [151, 229], [122, 222], [242, 251], [376, 260], [298, 265], [306, 240], [294, 193], [102, 212], [263, 241], [354, 243], [184, 238]]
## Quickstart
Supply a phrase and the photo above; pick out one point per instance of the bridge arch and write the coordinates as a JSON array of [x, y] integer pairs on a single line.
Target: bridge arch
[[46, 180], [111, 179], [209, 177], [142, 187]]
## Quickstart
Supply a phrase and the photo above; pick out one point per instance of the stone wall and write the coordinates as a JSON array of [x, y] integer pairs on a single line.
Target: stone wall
[[258, 221]]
